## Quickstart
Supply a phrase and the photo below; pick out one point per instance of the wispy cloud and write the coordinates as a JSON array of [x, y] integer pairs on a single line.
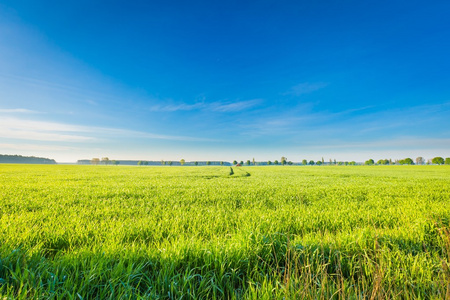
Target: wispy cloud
[[389, 143], [218, 106], [116, 132], [305, 88], [82, 92], [358, 124], [233, 106], [389, 147], [15, 128], [177, 107], [42, 136], [18, 110], [92, 102], [33, 147]]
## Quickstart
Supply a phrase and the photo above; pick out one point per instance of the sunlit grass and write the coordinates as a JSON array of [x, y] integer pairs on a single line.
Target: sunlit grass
[[103, 232]]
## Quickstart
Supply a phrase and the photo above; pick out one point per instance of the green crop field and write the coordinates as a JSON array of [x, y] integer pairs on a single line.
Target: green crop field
[[292, 232]]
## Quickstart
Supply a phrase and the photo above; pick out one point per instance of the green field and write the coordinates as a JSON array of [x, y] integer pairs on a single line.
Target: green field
[[292, 232]]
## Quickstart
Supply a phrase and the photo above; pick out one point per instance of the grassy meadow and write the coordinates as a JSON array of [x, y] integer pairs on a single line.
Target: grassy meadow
[[292, 232]]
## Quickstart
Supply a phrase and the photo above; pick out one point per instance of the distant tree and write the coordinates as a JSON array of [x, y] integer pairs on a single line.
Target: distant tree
[[390, 161], [438, 160], [105, 160], [447, 161], [290, 163], [352, 163], [221, 163], [319, 163], [275, 162], [162, 162], [304, 162], [196, 163], [382, 162], [311, 162], [340, 163], [420, 160], [170, 163], [208, 163], [140, 163], [95, 161], [334, 161], [234, 162], [346, 163], [145, 163], [182, 161], [369, 162], [248, 162], [283, 160], [114, 162], [323, 161], [253, 161], [269, 162], [408, 161]]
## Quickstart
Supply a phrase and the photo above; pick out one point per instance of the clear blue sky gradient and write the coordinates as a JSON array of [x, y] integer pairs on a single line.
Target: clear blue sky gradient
[[224, 80]]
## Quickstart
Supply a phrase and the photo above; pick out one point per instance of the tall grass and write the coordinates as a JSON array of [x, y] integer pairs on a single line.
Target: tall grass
[[99, 232]]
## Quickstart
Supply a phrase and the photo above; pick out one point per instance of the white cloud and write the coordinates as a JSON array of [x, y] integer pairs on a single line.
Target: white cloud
[[177, 107], [218, 106], [14, 128], [17, 110], [358, 123], [115, 132], [23, 124], [233, 106], [392, 143], [41, 136], [33, 147]]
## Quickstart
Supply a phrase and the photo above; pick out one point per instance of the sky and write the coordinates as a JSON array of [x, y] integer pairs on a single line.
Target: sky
[[225, 80]]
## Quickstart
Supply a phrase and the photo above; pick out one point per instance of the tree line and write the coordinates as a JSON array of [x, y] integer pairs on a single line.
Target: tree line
[[408, 161], [283, 161], [19, 159], [182, 162]]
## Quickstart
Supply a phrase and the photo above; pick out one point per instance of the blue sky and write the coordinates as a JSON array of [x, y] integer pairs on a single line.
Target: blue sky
[[225, 80]]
